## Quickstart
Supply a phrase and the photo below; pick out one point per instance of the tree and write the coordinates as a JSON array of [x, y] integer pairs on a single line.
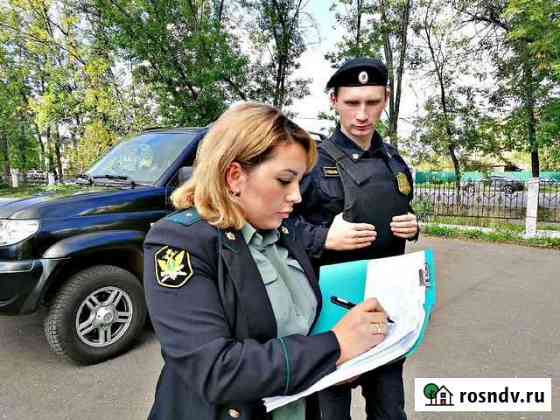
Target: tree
[[68, 80], [448, 125], [278, 43], [17, 147], [182, 51], [524, 49]]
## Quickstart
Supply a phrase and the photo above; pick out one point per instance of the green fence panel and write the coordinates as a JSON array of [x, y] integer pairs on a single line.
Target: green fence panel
[[423, 177]]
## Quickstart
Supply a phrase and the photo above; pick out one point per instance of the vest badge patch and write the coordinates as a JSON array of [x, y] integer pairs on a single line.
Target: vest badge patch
[[173, 267], [330, 171], [403, 184]]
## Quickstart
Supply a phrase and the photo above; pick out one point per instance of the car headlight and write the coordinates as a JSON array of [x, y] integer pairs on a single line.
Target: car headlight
[[14, 231]]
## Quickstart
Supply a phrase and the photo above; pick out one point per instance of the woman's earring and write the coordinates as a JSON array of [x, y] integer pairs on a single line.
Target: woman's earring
[[235, 193]]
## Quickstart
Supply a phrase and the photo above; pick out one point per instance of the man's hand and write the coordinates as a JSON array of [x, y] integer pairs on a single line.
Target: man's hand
[[346, 236], [404, 226]]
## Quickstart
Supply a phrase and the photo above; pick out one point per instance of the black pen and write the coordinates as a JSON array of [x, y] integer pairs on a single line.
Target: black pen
[[349, 305]]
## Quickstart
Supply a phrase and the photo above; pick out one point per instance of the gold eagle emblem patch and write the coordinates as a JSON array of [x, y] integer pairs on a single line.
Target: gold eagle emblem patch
[[173, 267]]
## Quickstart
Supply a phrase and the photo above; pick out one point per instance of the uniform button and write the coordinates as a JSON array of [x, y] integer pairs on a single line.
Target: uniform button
[[234, 413]]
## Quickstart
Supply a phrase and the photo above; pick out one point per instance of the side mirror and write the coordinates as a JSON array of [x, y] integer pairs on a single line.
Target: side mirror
[[184, 174]]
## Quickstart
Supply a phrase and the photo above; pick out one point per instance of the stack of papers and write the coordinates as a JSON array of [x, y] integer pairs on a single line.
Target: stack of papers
[[398, 286]]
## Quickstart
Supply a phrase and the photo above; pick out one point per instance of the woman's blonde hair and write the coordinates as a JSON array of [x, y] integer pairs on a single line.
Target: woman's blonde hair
[[246, 133]]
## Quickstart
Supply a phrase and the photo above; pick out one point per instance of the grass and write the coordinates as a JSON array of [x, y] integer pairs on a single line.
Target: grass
[[27, 190], [517, 226], [479, 222], [499, 236]]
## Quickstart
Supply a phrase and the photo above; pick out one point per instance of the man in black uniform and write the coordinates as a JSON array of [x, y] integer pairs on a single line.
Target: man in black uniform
[[356, 205]]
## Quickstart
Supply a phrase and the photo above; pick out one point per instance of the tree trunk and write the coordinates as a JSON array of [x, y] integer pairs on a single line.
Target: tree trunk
[[220, 11], [43, 156], [58, 155], [438, 66], [4, 151], [359, 25], [528, 86], [50, 160], [400, 69], [395, 83], [388, 52]]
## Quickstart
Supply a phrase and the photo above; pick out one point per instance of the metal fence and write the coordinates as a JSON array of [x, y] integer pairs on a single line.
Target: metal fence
[[496, 199], [549, 202]]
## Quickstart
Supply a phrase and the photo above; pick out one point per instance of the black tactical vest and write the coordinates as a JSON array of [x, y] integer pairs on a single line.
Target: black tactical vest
[[371, 195]]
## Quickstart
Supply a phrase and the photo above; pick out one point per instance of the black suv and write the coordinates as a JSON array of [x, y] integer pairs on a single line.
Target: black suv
[[80, 254]]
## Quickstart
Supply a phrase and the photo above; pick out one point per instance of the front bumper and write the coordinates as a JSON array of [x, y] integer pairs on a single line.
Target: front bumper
[[22, 283]]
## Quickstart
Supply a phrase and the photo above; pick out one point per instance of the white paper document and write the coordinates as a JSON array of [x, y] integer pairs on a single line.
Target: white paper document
[[395, 282]]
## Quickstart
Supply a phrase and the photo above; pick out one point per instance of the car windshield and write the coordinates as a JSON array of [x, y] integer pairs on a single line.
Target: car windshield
[[142, 159]]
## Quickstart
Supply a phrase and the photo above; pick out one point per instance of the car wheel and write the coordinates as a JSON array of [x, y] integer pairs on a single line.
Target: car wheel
[[96, 315], [508, 189]]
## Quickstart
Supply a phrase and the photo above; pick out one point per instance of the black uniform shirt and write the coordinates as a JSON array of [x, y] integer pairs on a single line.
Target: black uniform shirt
[[323, 195]]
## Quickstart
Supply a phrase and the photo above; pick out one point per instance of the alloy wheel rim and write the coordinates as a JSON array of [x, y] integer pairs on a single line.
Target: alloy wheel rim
[[104, 316]]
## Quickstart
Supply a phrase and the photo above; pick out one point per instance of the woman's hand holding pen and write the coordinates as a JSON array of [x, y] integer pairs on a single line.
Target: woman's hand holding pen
[[362, 328]]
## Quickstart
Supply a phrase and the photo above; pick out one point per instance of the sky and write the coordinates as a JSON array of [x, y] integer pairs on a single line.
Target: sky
[[314, 65]]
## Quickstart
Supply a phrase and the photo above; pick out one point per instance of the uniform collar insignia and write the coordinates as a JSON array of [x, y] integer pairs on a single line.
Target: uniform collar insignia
[[330, 171]]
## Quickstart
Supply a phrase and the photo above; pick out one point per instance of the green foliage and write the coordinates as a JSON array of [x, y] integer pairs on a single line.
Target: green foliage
[[17, 146], [537, 22], [423, 208], [180, 50], [360, 39], [522, 40], [67, 81], [277, 38], [378, 29], [96, 141]]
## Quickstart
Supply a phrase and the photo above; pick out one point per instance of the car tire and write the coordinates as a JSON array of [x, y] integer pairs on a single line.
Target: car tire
[[96, 315], [508, 189]]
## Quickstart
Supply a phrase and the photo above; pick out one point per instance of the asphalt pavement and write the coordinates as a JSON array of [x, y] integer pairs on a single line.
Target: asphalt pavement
[[497, 316]]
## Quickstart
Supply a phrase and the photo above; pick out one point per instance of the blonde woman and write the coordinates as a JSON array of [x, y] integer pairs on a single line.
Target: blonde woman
[[231, 294]]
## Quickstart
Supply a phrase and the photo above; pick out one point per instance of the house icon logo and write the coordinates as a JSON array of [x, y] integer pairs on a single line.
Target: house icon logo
[[439, 396]]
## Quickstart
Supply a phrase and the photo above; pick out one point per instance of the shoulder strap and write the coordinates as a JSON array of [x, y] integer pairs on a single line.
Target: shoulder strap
[[186, 217], [344, 162], [391, 161]]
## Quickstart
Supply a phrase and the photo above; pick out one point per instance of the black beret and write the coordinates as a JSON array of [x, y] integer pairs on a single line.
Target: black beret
[[359, 72]]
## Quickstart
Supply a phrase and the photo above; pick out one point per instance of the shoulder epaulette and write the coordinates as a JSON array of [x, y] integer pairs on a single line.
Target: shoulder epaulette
[[186, 217]]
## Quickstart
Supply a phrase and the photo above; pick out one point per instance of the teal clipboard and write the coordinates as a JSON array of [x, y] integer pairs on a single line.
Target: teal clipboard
[[430, 300], [348, 281]]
